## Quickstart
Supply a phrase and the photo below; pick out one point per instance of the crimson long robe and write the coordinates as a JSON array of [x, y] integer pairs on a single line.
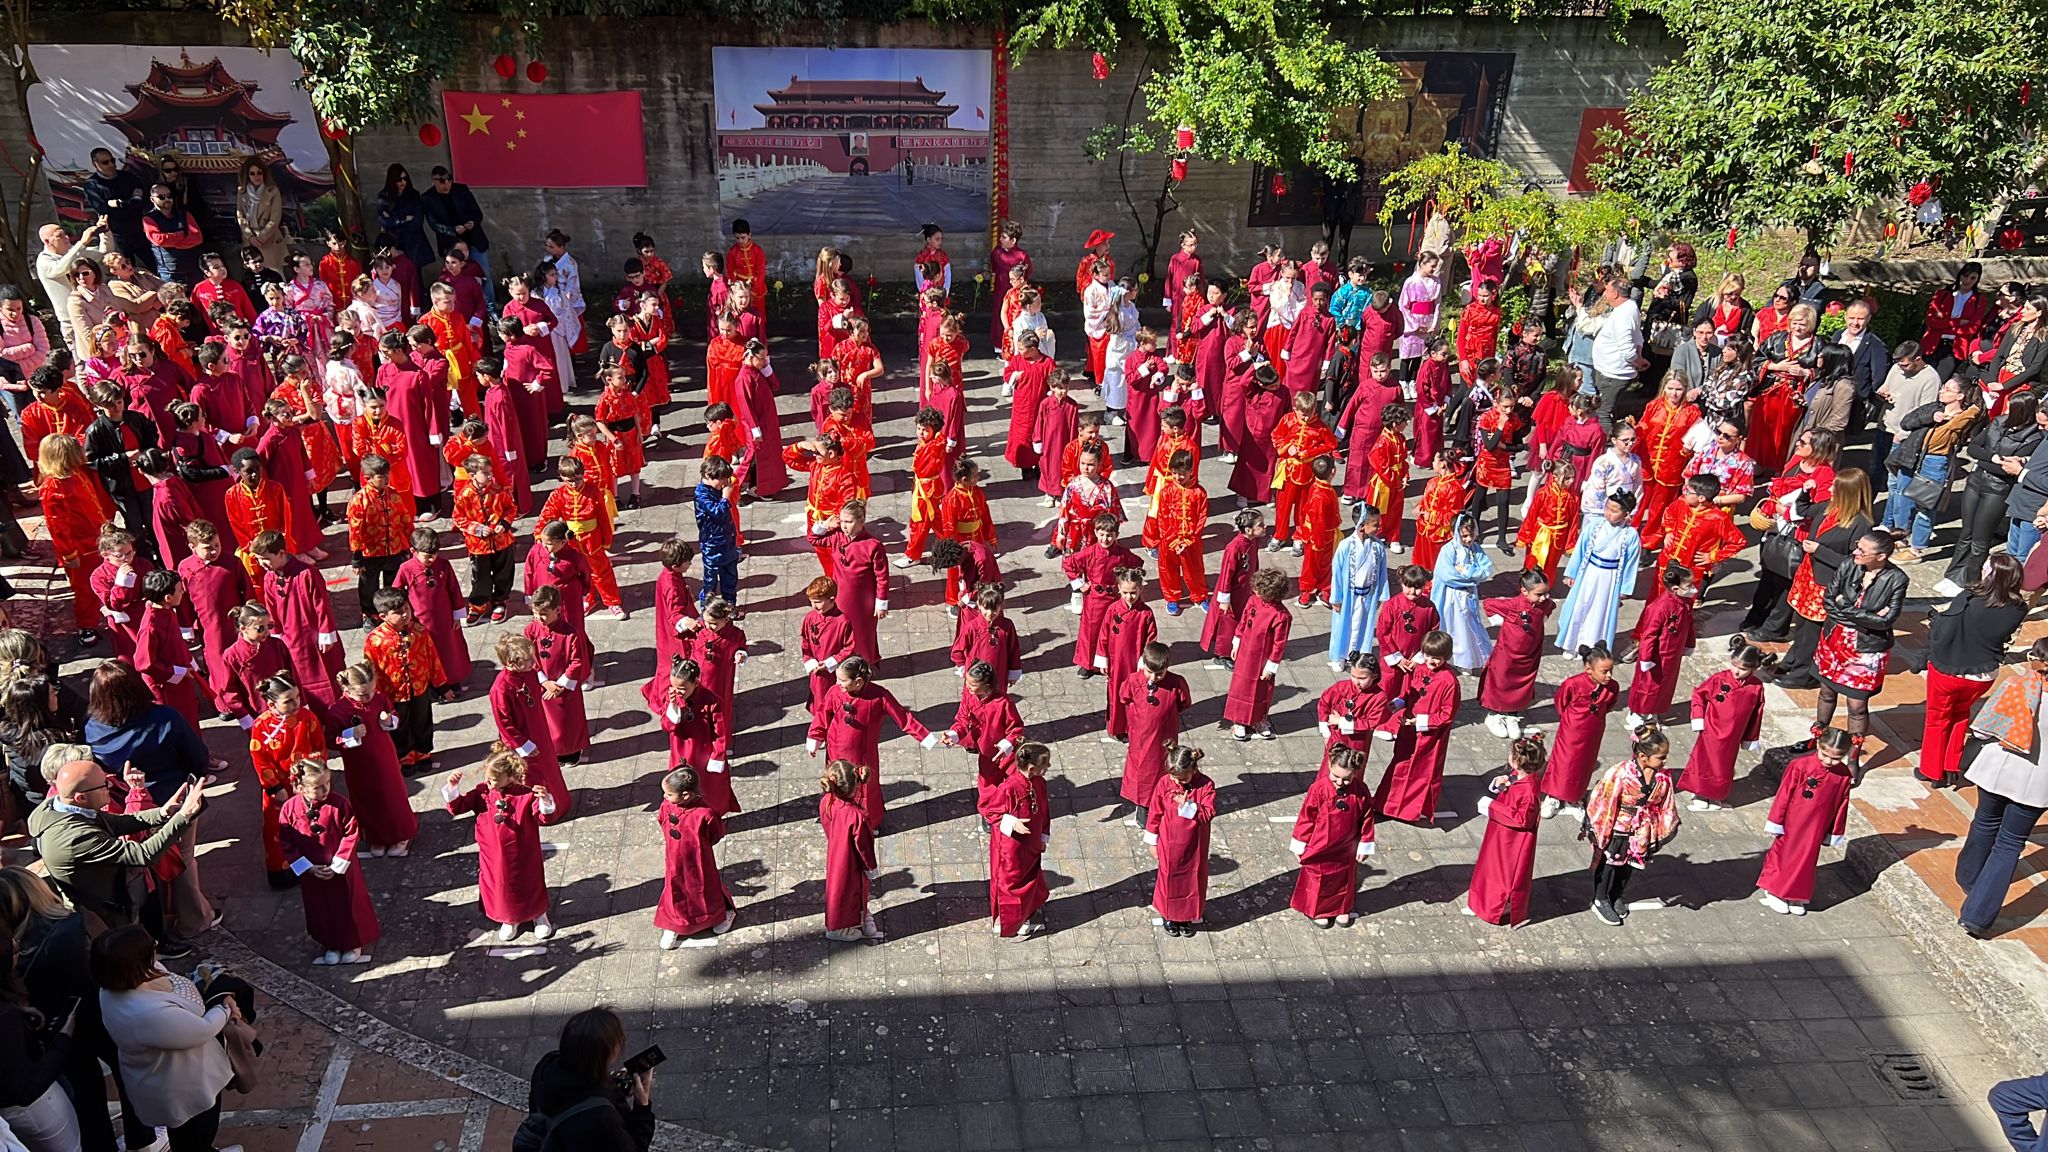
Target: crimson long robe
[[436, 598], [1152, 710], [1053, 429], [1260, 646], [121, 602], [339, 915], [991, 729], [860, 569], [1264, 407], [174, 505], [754, 405], [1328, 833], [240, 669], [1403, 621], [568, 570], [1177, 818], [1353, 719], [824, 641], [850, 728], [511, 872], [849, 857], [213, 592], [1232, 595], [565, 659], [693, 895], [296, 595], [718, 653], [1663, 633], [369, 765], [1509, 682], [1727, 712], [1092, 572], [1415, 776], [1582, 704], [1027, 376], [165, 661], [515, 709], [1016, 882], [1126, 629], [1811, 808], [283, 451], [675, 610], [699, 735], [1507, 855], [993, 642], [504, 427]]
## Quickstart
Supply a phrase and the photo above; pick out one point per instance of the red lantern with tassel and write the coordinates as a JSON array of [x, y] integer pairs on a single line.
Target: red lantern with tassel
[[1101, 65], [504, 66], [430, 135], [1732, 234], [1184, 138], [1180, 167], [1902, 120], [1279, 185], [1849, 162], [2010, 238], [537, 72]]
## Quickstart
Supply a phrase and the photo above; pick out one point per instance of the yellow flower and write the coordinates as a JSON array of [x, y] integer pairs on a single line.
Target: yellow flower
[[778, 285], [980, 276], [1144, 277]]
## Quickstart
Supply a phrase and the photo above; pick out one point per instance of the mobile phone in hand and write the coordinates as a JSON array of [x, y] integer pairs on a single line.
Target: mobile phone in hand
[[645, 1059]]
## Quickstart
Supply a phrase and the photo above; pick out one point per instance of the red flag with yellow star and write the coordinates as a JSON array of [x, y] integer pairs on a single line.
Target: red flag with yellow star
[[574, 140]]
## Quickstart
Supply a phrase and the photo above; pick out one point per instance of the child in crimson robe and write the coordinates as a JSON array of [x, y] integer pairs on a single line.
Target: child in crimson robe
[[173, 504], [580, 506], [1053, 429], [511, 872], [554, 560], [362, 722], [1630, 816], [1146, 377], [986, 724], [319, 833], [1727, 714], [1315, 533], [927, 483], [1582, 704], [1091, 573], [1333, 835], [1152, 699], [1356, 710], [1415, 775], [1300, 440], [987, 635], [161, 653], [964, 516], [850, 860], [1363, 419], [850, 728], [285, 734], [516, 712], [1493, 470], [502, 428], [1233, 588], [1173, 437], [824, 639], [525, 373], [1178, 814], [565, 661], [428, 581], [1508, 684], [484, 514], [1256, 652], [761, 428], [719, 647], [949, 400], [283, 452], [1019, 814], [75, 509], [622, 414], [860, 565], [588, 444], [1810, 810], [1174, 521], [296, 595], [409, 671], [1027, 381], [693, 895], [675, 608], [1432, 392], [1664, 634], [1127, 627], [117, 582], [255, 656], [1403, 621], [1089, 495], [1551, 526], [699, 730], [1507, 852]]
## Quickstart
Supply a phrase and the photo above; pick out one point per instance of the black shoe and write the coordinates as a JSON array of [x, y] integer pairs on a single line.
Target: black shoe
[[1086, 673], [88, 637], [1605, 911], [1758, 637], [282, 880], [173, 949], [571, 760]]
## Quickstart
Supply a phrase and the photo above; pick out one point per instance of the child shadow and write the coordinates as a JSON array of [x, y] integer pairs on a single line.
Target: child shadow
[[946, 904], [1236, 909]]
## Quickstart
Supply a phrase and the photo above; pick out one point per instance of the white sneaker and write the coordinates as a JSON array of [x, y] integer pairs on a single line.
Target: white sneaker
[[1513, 725], [1297, 548], [904, 562], [508, 932], [842, 935], [1030, 927], [1700, 805], [1574, 811], [869, 929], [542, 928], [1948, 588], [1496, 724], [1336, 665], [1798, 909], [1551, 804], [668, 940], [1631, 721], [327, 959], [1344, 919], [1131, 820], [615, 612], [1264, 732], [1240, 732], [356, 956], [1773, 903], [1397, 547], [725, 925], [1229, 457], [1323, 922], [374, 852], [400, 850], [1465, 909]]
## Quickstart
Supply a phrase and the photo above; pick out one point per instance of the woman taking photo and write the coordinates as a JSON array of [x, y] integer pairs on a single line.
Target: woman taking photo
[[591, 1104], [1826, 538], [2012, 789], [1999, 450], [1966, 643], [403, 216], [171, 1062], [1935, 433], [1790, 361], [1807, 484]]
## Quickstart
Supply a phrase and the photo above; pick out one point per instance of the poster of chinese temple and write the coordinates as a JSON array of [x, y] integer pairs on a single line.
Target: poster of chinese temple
[[1441, 97], [852, 141], [211, 107]]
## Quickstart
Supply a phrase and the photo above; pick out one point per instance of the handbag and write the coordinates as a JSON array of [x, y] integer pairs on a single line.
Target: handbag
[[1780, 554], [1927, 495]]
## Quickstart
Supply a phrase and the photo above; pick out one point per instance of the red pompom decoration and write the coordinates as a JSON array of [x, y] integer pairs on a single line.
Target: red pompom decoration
[[504, 65], [430, 135], [2026, 92], [1902, 120], [1849, 162], [1180, 167], [1732, 234], [537, 72], [1279, 183], [329, 131], [2011, 238], [1184, 138], [1920, 193], [1101, 64], [1891, 229], [871, 283]]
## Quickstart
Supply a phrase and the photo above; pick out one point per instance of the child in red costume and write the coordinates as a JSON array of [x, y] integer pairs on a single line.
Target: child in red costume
[[1316, 536], [1174, 520], [580, 505]]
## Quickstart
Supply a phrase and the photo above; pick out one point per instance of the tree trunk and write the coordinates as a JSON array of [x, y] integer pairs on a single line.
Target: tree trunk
[[348, 193]]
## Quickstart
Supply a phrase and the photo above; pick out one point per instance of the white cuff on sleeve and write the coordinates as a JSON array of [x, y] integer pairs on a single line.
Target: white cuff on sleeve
[[1495, 621], [1101, 661], [810, 745], [810, 666], [1272, 668], [1365, 848], [1151, 838], [125, 578], [1422, 722], [1699, 725], [1010, 825], [1003, 747], [247, 722], [1297, 847], [1774, 828], [931, 740], [881, 605], [339, 865], [547, 805], [1837, 841], [330, 638], [449, 792], [715, 766], [1753, 746]]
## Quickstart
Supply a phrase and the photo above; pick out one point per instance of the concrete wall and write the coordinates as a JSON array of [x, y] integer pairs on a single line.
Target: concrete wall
[[1561, 67]]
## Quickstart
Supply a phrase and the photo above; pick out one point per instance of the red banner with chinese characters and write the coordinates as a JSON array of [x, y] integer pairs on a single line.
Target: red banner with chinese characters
[[574, 140]]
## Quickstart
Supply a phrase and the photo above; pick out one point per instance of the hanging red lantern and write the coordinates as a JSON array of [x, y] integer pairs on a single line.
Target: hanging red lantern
[[1184, 138], [332, 131], [1920, 193], [1891, 229], [537, 72], [430, 135], [1101, 64], [1180, 167], [1732, 234], [2011, 238], [2026, 92], [1902, 120], [504, 65], [1279, 184], [1849, 162]]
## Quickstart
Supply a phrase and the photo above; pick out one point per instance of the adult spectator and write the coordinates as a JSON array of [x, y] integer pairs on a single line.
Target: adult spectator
[[1617, 345], [24, 343], [2021, 351], [1869, 361], [134, 289], [1728, 312], [2023, 509], [591, 1108], [174, 236], [402, 215], [1695, 356], [2016, 1101], [1998, 449], [1974, 359], [91, 303], [453, 214], [1954, 317], [1830, 401], [1804, 283], [186, 195], [2012, 789], [118, 198], [1863, 603], [126, 726], [1827, 537], [1936, 434], [31, 722], [54, 263], [259, 211], [1967, 638], [84, 847], [173, 1067], [54, 950], [32, 1061], [1909, 383]]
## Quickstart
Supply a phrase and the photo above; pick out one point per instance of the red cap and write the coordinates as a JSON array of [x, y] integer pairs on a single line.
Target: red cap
[[1098, 238]]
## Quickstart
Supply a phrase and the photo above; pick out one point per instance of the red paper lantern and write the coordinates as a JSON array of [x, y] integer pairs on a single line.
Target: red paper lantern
[[1891, 229], [2011, 238], [1184, 138], [504, 65], [2026, 92], [430, 135], [1279, 184], [1849, 162], [1101, 64], [537, 72], [1732, 234], [1180, 167], [1920, 193]]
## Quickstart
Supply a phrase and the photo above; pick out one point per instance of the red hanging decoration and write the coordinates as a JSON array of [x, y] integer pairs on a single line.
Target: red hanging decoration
[[504, 66], [2026, 92], [332, 131], [2010, 238], [1849, 162], [1891, 229], [1180, 167], [537, 72], [1920, 193], [430, 135], [1101, 64], [1184, 138], [1732, 234], [1902, 120], [1279, 184]]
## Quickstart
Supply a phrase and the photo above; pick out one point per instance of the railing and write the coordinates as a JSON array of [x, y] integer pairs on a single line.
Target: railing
[[740, 178]]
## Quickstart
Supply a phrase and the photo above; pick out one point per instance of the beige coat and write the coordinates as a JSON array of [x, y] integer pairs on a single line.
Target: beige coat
[[265, 227]]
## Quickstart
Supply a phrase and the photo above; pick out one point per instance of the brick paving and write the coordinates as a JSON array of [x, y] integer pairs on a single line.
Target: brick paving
[[1707, 1023]]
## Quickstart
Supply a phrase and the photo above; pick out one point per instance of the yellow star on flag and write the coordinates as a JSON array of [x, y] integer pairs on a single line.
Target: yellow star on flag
[[519, 115], [522, 133], [507, 102], [477, 119], [511, 144]]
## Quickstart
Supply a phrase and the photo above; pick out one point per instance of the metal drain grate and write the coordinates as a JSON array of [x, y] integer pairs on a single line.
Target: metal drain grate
[[1912, 1077]]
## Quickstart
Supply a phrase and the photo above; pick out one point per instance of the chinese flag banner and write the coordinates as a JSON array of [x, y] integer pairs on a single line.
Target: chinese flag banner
[[576, 140]]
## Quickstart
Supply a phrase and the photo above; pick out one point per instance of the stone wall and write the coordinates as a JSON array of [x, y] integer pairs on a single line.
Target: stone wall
[[1561, 67]]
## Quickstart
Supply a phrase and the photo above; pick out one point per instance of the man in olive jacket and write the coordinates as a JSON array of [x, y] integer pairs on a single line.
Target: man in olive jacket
[[85, 849]]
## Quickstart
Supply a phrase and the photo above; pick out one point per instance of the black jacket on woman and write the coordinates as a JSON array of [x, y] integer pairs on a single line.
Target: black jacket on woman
[[2032, 358], [1968, 636], [623, 1127], [1916, 425], [1871, 613], [1997, 438], [1833, 547], [30, 1058]]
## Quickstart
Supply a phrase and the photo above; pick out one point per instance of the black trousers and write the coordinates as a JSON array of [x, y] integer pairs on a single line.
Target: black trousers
[[1610, 880], [415, 732], [1798, 659], [88, 1086], [373, 575], [196, 1134], [490, 579], [1984, 528], [135, 513], [1770, 612]]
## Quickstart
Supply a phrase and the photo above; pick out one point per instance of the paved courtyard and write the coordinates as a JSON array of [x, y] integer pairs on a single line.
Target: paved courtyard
[[1707, 1022]]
